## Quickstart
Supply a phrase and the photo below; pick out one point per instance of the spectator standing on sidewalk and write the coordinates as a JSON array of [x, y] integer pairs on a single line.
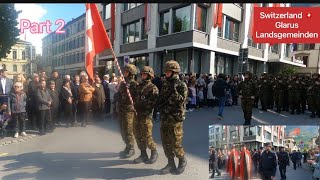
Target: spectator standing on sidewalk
[[67, 103], [219, 91], [55, 102], [85, 94], [210, 96], [201, 97], [214, 163], [44, 102], [17, 105], [255, 160], [98, 100]]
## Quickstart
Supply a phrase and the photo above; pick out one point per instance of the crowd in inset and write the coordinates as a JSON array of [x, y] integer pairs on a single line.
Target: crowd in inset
[[262, 163]]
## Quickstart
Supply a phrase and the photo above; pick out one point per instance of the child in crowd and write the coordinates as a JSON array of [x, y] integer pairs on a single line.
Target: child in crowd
[[200, 97]]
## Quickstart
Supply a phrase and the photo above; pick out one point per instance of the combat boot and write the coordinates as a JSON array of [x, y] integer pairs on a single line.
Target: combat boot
[[169, 168], [130, 152], [123, 152], [182, 165], [142, 158], [153, 157]]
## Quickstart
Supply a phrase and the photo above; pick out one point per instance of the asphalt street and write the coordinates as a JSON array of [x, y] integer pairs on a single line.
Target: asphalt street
[[92, 153], [303, 172], [233, 115]]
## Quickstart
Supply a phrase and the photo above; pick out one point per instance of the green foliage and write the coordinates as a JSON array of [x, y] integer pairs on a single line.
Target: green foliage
[[8, 31], [289, 71]]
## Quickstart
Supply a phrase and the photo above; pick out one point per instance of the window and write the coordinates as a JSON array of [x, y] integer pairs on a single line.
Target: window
[[250, 131], [164, 23], [308, 46], [83, 40], [15, 68], [182, 59], [231, 30], [268, 135], [287, 52], [107, 14], [14, 54], [181, 19], [274, 48], [233, 135], [264, 5], [201, 18], [300, 47], [131, 32], [305, 60], [23, 55], [144, 35], [220, 29], [127, 6]]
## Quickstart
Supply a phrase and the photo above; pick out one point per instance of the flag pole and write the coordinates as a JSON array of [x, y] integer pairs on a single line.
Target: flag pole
[[119, 69]]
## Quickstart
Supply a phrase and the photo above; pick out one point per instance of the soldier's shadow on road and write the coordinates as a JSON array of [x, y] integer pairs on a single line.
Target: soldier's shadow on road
[[70, 166]]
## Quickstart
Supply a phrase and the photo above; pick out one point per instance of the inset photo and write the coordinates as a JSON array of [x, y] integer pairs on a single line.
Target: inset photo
[[264, 152]]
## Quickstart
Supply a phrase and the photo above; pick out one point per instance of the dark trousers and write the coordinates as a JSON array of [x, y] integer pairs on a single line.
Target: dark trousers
[[107, 105], [265, 176], [54, 116], [74, 112], [20, 123], [68, 114], [255, 164], [235, 100], [33, 117], [45, 120], [84, 110], [283, 170], [294, 165]]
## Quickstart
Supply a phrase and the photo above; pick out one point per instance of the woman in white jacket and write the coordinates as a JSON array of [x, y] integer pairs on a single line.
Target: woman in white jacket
[[210, 96], [113, 87]]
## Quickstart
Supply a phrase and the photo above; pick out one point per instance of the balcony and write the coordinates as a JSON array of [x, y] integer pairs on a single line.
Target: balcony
[[251, 138], [135, 46], [132, 15], [273, 56], [183, 37], [255, 52], [228, 44]]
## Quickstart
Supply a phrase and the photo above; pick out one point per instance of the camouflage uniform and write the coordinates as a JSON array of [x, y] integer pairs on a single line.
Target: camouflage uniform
[[313, 95], [264, 91], [256, 100], [146, 97], [126, 111], [270, 101], [247, 89], [172, 104], [279, 93], [303, 93], [286, 94], [294, 90]]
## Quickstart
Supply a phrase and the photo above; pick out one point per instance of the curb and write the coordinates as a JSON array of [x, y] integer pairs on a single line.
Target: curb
[[14, 141]]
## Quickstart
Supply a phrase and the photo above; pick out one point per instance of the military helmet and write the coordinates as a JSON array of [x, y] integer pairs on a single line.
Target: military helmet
[[315, 74], [172, 65], [131, 69], [249, 73], [148, 70]]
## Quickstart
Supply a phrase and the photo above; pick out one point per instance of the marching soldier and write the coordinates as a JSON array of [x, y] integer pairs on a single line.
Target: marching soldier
[[264, 91], [316, 94], [283, 162], [146, 97], [286, 94], [172, 104], [270, 102], [245, 164], [312, 94], [126, 110], [303, 92], [247, 91], [256, 100], [279, 94], [294, 94]]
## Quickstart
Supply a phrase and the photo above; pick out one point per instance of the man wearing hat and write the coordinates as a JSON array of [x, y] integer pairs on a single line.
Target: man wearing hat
[[283, 161], [5, 86], [268, 163]]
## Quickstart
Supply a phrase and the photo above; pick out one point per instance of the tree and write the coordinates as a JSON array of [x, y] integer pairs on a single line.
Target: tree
[[8, 32]]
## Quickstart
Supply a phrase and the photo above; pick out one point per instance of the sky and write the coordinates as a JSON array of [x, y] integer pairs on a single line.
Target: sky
[[37, 13]]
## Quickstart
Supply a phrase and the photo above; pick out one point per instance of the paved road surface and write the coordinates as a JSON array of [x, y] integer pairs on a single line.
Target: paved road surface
[[92, 153]]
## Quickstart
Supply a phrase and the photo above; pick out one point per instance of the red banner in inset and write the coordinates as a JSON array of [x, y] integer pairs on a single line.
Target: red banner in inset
[[286, 25]]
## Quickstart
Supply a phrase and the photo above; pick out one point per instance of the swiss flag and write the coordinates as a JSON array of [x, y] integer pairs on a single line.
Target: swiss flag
[[217, 16], [97, 39]]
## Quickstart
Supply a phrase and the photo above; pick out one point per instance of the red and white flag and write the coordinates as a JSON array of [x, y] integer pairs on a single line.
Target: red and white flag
[[250, 33], [97, 39], [147, 17], [217, 15]]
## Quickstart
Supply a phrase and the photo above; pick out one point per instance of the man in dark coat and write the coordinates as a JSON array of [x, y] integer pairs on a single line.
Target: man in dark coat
[[98, 98], [32, 112], [55, 77], [283, 161], [219, 90], [268, 164], [105, 84], [55, 102]]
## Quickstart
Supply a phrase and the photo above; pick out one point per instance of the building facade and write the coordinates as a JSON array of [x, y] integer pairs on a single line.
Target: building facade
[[252, 136], [66, 52], [291, 144], [185, 32], [19, 58]]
